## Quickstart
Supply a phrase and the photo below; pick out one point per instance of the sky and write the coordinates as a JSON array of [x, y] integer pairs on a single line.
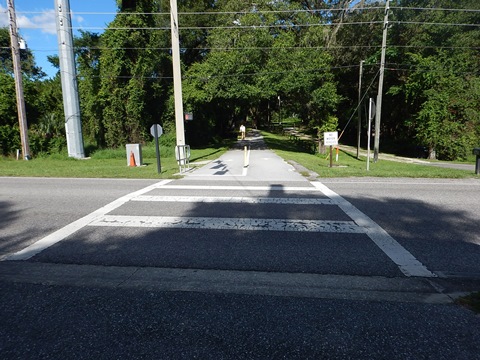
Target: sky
[[36, 23]]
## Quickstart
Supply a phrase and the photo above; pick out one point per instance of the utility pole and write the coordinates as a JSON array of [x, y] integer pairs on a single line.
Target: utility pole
[[17, 71], [68, 75], [359, 109], [380, 83], [177, 76]]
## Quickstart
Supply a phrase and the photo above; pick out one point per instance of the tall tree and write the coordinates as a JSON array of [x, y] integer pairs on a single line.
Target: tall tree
[[260, 52], [440, 82], [130, 70], [88, 52], [29, 68]]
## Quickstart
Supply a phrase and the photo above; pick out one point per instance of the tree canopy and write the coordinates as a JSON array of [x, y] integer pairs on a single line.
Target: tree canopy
[[265, 61]]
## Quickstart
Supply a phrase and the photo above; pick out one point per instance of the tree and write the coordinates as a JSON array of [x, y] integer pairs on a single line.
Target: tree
[[262, 51], [130, 70], [8, 108], [88, 53], [449, 117], [29, 69], [440, 87]]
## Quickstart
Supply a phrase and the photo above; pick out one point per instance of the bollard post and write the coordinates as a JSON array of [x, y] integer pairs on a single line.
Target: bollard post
[[331, 156], [476, 151]]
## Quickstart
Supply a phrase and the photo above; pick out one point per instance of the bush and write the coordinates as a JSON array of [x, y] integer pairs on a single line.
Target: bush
[[9, 139]]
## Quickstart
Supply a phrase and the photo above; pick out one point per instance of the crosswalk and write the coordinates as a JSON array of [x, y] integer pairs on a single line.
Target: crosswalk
[[244, 209], [314, 196]]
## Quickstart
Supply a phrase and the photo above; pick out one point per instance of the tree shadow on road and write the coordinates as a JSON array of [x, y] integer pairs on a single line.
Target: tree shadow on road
[[444, 241]]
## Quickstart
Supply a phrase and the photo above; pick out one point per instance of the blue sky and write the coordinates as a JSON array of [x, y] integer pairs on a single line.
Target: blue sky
[[36, 23]]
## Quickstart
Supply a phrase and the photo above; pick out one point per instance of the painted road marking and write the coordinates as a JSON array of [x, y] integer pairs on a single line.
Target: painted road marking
[[73, 227], [407, 263], [361, 223], [212, 223], [243, 188], [239, 200]]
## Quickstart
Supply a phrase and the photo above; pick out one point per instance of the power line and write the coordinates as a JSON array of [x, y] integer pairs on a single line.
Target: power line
[[359, 104], [293, 11], [431, 23], [255, 27], [252, 27], [258, 11], [432, 9], [206, 78], [231, 49]]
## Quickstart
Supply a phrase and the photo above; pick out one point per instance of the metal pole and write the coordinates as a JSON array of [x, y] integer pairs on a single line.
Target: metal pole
[[177, 76], [157, 148], [371, 111], [380, 83], [359, 109], [17, 70], [68, 74]]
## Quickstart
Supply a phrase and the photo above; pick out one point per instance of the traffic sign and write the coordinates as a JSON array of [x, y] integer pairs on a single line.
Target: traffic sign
[[330, 138], [158, 128]]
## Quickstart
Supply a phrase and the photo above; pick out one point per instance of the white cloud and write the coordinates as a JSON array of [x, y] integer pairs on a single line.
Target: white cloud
[[3, 16], [44, 21], [77, 18]]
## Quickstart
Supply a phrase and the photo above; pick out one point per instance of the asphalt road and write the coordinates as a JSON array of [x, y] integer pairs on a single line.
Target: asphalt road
[[238, 262]]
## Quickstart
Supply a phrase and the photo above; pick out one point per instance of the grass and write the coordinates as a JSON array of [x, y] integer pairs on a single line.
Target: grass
[[113, 164], [105, 164], [349, 166]]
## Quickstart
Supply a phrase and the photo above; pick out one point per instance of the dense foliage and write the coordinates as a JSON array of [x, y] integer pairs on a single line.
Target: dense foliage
[[260, 62]]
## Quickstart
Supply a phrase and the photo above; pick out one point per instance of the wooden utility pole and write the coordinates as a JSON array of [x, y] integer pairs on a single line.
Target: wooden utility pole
[[380, 83], [17, 71]]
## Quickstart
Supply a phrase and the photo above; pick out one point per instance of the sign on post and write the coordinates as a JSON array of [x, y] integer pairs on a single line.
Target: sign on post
[[157, 131], [330, 138]]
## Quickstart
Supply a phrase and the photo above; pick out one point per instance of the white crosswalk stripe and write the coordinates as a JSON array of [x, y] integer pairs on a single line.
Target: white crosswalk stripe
[[228, 224], [238, 200]]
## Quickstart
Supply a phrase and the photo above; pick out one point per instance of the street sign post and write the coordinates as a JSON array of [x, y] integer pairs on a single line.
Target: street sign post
[[330, 139], [157, 131]]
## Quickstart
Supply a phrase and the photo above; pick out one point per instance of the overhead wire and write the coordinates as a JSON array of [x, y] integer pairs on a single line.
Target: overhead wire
[[281, 25], [359, 103], [259, 11]]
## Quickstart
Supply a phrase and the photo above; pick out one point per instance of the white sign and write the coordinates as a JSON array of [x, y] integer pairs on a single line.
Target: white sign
[[159, 130], [330, 138]]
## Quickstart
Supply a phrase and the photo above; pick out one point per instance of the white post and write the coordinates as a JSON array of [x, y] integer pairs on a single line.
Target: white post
[[177, 76]]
